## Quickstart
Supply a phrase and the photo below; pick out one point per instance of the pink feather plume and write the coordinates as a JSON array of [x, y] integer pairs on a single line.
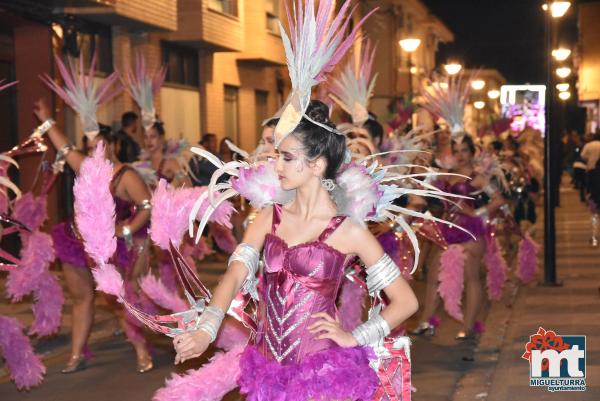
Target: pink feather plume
[[161, 295], [496, 269], [352, 303], [25, 367], [108, 280], [95, 206], [527, 259], [47, 309], [30, 210], [209, 383], [232, 334], [451, 278], [224, 238]]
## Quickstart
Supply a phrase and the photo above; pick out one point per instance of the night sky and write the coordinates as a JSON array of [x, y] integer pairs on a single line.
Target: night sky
[[504, 34]]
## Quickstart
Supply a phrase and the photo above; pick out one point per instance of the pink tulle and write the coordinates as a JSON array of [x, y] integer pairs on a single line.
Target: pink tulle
[[223, 237], [30, 210], [95, 206], [161, 295], [260, 184], [166, 272], [496, 269], [108, 280], [209, 383], [25, 367], [232, 334], [451, 277], [36, 255], [527, 257], [352, 303], [47, 309]]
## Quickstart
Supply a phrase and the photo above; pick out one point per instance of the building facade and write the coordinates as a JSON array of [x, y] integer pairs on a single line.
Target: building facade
[[588, 60]]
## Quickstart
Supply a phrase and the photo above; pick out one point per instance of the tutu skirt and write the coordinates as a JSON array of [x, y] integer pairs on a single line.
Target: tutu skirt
[[333, 374]]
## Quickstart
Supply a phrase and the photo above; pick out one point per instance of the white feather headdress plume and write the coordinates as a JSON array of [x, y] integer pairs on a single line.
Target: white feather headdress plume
[[447, 99], [353, 87], [82, 93], [142, 84], [314, 46]]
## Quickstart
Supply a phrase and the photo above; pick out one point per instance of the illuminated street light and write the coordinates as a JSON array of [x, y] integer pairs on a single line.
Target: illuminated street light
[[410, 45], [413, 70], [563, 72], [494, 94], [563, 87], [478, 84], [561, 54], [559, 8], [479, 104], [564, 95], [452, 68]]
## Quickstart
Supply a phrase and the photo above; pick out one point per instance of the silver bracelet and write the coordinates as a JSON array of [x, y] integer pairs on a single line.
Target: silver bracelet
[[145, 205], [44, 127], [127, 235], [381, 274], [59, 163], [249, 256], [482, 212], [371, 331], [210, 321]]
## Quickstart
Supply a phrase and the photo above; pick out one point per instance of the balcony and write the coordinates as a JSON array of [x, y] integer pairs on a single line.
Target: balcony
[[155, 15], [210, 24], [263, 46]]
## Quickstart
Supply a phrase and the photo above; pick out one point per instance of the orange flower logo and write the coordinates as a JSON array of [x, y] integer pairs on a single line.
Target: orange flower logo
[[544, 340]]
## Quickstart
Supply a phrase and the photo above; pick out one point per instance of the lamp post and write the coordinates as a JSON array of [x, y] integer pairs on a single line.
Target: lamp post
[[452, 68], [556, 10], [410, 45]]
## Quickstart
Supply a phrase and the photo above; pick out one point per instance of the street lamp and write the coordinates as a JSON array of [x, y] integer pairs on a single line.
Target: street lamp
[[561, 54], [409, 45], [559, 8], [452, 68], [480, 104], [562, 87], [564, 95], [563, 72], [478, 84], [493, 94]]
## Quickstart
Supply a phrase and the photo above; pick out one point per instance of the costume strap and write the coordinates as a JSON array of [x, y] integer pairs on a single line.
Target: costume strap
[[334, 223], [276, 217]]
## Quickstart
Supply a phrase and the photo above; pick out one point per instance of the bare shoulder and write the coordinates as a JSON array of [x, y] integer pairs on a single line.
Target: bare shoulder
[[351, 237], [261, 225]]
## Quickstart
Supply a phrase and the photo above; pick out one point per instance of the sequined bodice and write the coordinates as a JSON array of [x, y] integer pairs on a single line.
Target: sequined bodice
[[298, 282]]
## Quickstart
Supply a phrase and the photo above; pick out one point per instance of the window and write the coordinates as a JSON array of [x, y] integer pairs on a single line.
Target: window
[[261, 99], [272, 9], [224, 6], [94, 40], [182, 65], [231, 99]]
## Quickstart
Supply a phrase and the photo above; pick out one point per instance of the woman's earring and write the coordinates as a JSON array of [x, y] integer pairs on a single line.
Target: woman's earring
[[328, 184]]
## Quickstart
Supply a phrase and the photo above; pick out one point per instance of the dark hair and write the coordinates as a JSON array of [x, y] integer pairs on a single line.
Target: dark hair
[[159, 127], [320, 142], [374, 128], [206, 137], [468, 141], [497, 145], [128, 118], [106, 134], [272, 122]]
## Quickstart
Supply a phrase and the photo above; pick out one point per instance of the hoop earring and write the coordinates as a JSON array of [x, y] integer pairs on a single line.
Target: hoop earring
[[328, 184]]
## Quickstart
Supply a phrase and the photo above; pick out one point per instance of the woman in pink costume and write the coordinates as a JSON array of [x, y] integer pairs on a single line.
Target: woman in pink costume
[[463, 258], [133, 199]]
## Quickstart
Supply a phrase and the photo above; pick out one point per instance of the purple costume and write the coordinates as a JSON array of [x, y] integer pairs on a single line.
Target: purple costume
[[287, 361], [473, 224]]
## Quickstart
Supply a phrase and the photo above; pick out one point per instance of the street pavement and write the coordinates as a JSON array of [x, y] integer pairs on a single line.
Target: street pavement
[[443, 369]]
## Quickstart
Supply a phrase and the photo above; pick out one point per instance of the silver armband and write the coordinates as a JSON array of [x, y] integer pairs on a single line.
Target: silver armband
[[44, 127], [381, 274], [145, 205], [249, 256], [371, 331], [59, 163], [482, 212], [210, 321], [127, 236]]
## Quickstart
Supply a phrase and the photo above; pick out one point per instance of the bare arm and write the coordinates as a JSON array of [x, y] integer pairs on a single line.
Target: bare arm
[[136, 189], [193, 344], [74, 158]]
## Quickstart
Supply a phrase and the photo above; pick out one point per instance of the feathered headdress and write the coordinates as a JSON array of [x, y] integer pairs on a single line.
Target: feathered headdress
[[447, 99], [142, 85], [314, 46], [82, 93], [353, 88]]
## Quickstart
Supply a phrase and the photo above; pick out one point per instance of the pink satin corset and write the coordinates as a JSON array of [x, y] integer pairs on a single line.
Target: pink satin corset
[[298, 282]]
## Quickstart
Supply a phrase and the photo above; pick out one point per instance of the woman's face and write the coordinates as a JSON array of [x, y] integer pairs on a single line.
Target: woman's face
[[443, 137], [293, 168], [462, 154], [267, 140], [153, 141]]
